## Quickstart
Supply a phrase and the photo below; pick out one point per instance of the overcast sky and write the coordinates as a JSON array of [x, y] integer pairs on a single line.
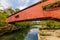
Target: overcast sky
[[21, 4]]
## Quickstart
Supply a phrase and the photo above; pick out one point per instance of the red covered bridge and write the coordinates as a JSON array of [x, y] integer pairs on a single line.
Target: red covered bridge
[[41, 10]]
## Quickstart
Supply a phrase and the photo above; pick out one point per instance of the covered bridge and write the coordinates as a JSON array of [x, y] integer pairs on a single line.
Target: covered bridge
[[45, 9]]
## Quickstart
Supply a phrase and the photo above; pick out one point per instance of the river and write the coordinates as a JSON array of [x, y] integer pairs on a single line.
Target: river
[[25, 34], [32, 34]]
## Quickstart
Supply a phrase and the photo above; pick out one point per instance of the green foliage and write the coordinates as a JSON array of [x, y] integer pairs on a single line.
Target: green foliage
[[4, 14], [16, 10], [18, 35], [10, 11], [50, 24], [3, 17], [22, 24]]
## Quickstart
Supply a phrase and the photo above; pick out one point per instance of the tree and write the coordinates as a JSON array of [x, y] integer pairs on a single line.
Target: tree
[[3, 17], [9, 11], [16, 10]]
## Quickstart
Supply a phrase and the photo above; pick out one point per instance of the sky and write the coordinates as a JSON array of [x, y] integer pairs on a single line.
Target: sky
[[21, 4]]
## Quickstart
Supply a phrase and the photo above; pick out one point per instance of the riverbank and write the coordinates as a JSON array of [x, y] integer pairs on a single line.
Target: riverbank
[[49, 35], [22, 34], [15, 35]]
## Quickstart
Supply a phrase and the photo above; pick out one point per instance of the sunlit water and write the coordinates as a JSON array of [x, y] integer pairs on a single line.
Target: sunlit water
[[32, 34]]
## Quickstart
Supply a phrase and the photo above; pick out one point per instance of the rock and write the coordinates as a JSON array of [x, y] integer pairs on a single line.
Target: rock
[[7, 28]]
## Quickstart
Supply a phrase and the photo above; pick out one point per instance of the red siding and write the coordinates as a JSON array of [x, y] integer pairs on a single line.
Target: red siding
[[35, 12]]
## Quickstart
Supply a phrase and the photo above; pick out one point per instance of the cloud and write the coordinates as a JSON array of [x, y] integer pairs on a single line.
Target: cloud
[[26, 3], [14, 3], [1, 8], [21, 4], [21, 7], [4, 4]]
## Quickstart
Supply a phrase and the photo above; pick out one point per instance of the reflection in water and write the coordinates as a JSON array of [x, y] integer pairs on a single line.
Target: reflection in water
[[32, 34]]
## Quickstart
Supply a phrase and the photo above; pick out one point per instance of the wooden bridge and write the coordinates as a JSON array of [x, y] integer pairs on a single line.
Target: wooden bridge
[[45, 9]]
